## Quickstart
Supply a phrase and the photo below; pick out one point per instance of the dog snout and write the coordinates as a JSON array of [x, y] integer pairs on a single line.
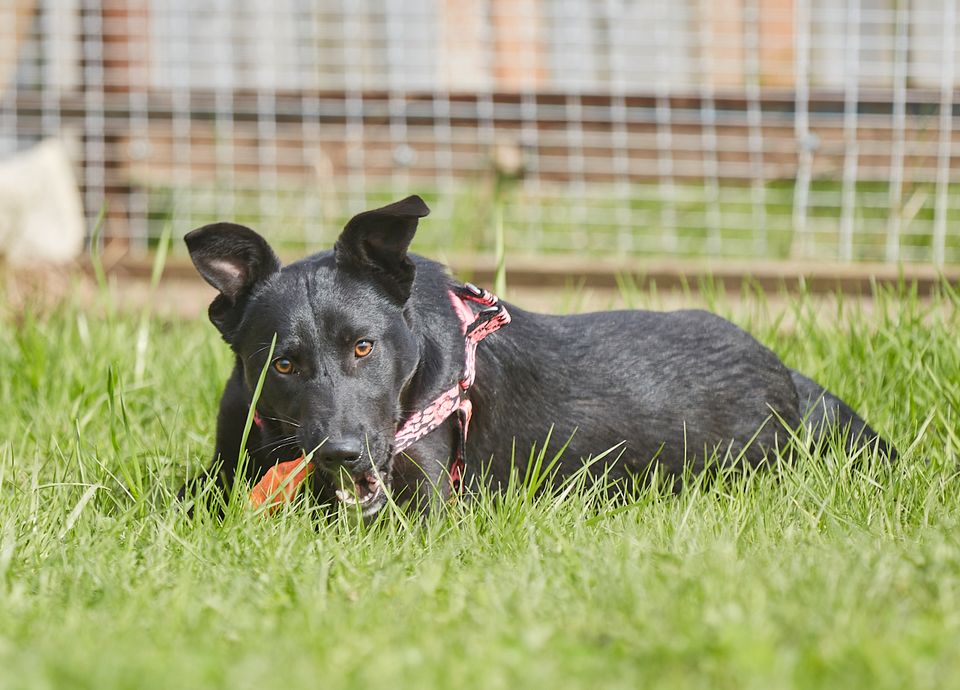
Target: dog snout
[[342, 452]]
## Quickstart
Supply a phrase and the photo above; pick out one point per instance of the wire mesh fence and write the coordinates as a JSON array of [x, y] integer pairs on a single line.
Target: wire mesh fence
[[810, 129]]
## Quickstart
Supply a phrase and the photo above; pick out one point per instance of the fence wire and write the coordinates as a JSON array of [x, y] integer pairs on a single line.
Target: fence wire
[[808, 129]]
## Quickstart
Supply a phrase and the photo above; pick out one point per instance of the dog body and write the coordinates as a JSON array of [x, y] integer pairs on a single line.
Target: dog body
[[366, 336]]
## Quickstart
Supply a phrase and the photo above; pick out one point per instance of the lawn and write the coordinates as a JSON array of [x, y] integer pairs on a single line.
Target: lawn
[[681, 220], [836, 572]]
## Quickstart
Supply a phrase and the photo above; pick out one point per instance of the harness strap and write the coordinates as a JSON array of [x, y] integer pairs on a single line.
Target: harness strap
[[475, 327]]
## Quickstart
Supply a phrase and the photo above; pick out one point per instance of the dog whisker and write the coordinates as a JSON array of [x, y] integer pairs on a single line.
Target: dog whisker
[[277, 444], [258, 351], [282, 420]]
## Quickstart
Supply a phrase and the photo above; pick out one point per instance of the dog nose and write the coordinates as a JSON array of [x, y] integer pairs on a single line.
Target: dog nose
[[344, 451]]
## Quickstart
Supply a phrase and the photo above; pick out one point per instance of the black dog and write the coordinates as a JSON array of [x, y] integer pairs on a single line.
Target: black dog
[[369, 339]]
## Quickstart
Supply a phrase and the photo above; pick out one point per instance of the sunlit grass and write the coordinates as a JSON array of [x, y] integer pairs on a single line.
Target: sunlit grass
[[601, 220], [831, 572]]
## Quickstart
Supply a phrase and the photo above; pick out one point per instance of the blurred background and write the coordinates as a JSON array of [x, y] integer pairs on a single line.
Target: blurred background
[[806, 130]]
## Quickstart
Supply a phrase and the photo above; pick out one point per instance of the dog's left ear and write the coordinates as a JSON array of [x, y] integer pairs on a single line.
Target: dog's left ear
[[377, 241]]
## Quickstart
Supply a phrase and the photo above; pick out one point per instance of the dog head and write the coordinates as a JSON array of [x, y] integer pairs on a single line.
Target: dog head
[[344, 349]]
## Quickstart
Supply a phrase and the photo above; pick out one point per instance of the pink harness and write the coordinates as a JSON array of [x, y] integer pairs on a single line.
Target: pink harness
[[492, 317], [475, 327]]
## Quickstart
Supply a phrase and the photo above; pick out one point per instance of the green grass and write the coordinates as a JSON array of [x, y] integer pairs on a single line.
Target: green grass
[[605, 219], [837, 572]]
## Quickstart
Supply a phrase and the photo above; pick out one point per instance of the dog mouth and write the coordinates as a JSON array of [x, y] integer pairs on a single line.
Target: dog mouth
[[364, 491]]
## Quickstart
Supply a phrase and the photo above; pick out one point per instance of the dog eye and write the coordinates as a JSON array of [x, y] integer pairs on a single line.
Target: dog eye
[[362, 348], [283, 365]]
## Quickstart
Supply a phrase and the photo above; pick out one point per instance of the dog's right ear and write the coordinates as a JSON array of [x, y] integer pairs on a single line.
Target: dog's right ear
[[233, 259]]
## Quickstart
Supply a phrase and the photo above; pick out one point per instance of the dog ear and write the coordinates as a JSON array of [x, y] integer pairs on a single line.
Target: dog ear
[[377, 241], [233, 259]]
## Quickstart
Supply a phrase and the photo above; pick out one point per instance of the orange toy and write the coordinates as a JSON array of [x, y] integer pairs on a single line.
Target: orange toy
[[279, 485]]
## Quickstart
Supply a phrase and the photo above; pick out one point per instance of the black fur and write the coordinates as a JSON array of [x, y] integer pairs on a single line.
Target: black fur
[[671, 387]]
